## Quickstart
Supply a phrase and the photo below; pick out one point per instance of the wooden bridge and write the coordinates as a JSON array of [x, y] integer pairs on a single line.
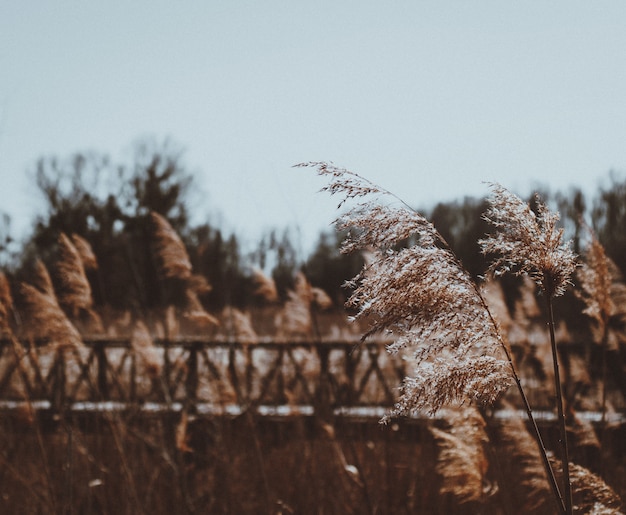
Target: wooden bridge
[[212, 378]]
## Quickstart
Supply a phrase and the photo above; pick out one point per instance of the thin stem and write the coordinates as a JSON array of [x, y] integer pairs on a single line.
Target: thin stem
[[529, 413], [561, 413], [603, 375], [602, 432], [535, 432]]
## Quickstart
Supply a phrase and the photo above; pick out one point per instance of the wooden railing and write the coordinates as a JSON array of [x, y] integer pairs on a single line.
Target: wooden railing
[[212, 377], [192, 372]]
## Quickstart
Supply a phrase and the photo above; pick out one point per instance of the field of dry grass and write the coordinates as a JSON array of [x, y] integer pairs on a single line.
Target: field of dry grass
[[276, 410]]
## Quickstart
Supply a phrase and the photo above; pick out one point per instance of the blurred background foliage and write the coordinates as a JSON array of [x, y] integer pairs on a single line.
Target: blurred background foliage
[[108, 203]]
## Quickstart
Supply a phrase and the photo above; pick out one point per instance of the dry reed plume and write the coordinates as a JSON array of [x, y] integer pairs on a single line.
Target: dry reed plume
[[265, 286], [531, 244], [195, 312], [73, 288], [462, 463], [296, 316], [425, 298], [86, 253], [46, 319], [591, 495], [596, 277], [172, 258], [6, 305], [595, 280], [73, 291], [422, 295], [526, 243], [40, 278], [238, 325], [521, 471], [144, 348]]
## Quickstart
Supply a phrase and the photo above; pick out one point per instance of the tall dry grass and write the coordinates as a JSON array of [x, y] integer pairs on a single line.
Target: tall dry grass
[[73, 289], [462, 462], [45, 319], [172, 258], [6, 305], [422, 294], [529, 243]]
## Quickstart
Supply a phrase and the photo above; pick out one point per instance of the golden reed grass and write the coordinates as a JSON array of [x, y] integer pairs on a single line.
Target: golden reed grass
[[265, 286], [422, 295], [6, 305], [415, 288], [522, 474], [172, 258], [462, 463], [86, 253], [143, 346], [295, 319], [46, 319], [237, 325], [73, 288], [530, 243]]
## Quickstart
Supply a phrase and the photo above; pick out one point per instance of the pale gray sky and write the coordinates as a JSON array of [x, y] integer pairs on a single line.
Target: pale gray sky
[[429, 99]]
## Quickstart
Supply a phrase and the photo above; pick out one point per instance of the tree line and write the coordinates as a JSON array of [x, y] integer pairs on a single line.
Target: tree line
[[109, 203]]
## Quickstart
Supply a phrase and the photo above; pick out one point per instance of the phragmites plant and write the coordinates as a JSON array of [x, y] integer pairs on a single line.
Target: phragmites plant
[[172, 258], [73, 288], [265, 286], [6, 305], [195, 312], [144, 348], [86, 253], [74, 291], [531, 243], [40, 278], [422, 295], [462, 464], [296, 317], [46, 319], [595, 279], [528, 243], [521, 467]]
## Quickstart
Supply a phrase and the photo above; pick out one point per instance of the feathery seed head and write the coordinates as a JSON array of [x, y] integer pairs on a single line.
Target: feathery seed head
[[422, 295], [172, 258], [85, 252], [74, 290], [46, 319], [6, 304], [238, 325], [595, 279], [462, 462], [40, 278], [527, 243], [265, 286], [144, 348]]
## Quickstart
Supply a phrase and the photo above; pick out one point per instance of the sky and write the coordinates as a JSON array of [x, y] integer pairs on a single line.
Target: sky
[[428, 99]]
